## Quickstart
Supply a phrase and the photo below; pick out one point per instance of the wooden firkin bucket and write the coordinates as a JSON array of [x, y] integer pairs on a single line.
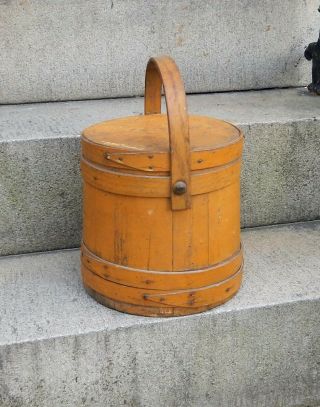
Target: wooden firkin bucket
[[161, 206]]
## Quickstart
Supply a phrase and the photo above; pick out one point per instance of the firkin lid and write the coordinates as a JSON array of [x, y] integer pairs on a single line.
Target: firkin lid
[[142, 143]]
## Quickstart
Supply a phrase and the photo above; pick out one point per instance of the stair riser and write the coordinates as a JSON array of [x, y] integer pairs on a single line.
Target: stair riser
[[266, 357], [78, 49], [40, 203]]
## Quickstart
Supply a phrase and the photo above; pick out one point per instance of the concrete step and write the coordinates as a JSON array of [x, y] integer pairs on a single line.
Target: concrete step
[[59, 347], [58, 50], [40, 200]]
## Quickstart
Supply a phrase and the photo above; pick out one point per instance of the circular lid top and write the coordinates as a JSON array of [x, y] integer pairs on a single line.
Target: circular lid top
[[127, 141], [150, 133]]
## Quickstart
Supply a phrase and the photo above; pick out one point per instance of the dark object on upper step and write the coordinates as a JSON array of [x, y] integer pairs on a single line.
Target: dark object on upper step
[[312, 53]]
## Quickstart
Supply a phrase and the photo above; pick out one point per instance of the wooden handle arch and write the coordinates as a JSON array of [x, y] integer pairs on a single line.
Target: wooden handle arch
[[163, 71]]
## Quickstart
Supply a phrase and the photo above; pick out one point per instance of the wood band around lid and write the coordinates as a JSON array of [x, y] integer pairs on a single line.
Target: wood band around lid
[[152, 162], [163, 71]]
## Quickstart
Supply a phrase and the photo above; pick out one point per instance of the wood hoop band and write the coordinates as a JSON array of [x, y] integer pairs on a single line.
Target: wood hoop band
[[161, 280]]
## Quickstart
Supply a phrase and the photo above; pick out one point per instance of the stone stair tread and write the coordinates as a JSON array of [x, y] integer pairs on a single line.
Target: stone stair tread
[[63, 119], [42, 296]]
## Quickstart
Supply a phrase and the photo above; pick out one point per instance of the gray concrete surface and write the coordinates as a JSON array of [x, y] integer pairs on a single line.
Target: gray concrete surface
[[40, 200], [58, 347], [58, 50]]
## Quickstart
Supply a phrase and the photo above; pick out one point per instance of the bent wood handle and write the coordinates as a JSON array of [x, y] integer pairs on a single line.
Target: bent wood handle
[[163, 71]]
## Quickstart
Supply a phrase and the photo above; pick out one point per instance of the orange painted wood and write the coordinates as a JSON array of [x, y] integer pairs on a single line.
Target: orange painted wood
[[196, 297], [147, 250], [156, 186], [163, 71], [119, 143], [164, 280]]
